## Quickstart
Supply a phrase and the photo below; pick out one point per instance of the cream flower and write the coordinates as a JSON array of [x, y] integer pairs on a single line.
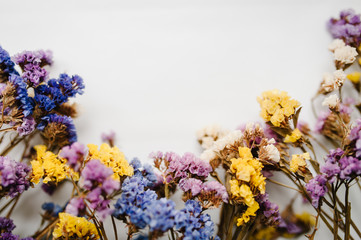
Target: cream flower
[[339, 77], [345, 54], [272, 152], [335, 44], [331, 101]]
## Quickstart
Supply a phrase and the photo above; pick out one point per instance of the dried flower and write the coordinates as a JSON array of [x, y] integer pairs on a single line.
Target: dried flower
[[74, 227]]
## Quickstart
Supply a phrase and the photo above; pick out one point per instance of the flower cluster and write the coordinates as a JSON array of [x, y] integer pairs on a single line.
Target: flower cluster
[[6, 228], [13, 177], [277, 107], [97, 180], [71, 227], [31, 101], [47, 166], [247, 176], [111, 157], [347, 27]]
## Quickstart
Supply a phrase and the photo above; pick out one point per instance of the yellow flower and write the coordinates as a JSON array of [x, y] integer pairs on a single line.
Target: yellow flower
[[250, 212], [277, 106], [111, 157], [306, 218], [267, 233], [296, 135], [354, 77], [73, 227], [299, 160], [48, 166]]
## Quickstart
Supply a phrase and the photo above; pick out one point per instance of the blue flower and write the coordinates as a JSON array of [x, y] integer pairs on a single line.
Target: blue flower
[[64, 120], [6, 65]]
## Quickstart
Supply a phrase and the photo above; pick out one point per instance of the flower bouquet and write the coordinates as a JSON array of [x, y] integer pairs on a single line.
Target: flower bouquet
[[113, 198]]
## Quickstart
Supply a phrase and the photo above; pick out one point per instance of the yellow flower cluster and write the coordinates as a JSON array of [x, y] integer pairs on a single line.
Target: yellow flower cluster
[[295, 135], [111, 157], [48, 166], [354, 77], [299, 160], [71, 227], [277, 106], [267, 233], [248, 181]]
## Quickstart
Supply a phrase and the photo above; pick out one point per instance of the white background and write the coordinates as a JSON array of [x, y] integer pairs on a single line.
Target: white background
[[156, 71]]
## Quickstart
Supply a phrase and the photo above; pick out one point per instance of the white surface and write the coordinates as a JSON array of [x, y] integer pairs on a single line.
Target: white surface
[[156, 71]]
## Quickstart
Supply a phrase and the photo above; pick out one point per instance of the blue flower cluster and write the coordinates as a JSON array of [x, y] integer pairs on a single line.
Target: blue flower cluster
[[193, 223], [144, 209], [52, 209], [57, 91], [6, 65], [58, 119], [38, 101], [26, 103]]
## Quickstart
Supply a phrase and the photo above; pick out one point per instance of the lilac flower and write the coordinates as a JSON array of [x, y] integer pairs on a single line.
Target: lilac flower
[[350, 167], [108, 137], [218, 188], [13, 176], [6, 227], [27, 127], [6, 66], [75, 206], [191, 184], [74, 154], [321, 119], [347, 27], [270, 210], [32, 64], [94, 173], [6, 224], [316, 187], [187, 166], [331, 170]]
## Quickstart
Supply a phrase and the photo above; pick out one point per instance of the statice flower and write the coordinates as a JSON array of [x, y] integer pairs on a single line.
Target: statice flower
[[27, 126], [6, 228], [350, 167], [74, 154], [57, 129], [6, 65], [188, 166], [23, 100], [355, 138], [145, 170], [52, 209], [193, 223], [347, 27], [13, 176], [191, 184], [317, 188], [96, 178], [32, 63], [271, 214]]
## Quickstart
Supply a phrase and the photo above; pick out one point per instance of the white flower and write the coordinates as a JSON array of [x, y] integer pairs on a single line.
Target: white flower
[[208, 155], [345, 54], [207, 142], [337, 43], [328, 83], [339, 77], [271, 141], [272, 152], [331, 101], [251, 127]]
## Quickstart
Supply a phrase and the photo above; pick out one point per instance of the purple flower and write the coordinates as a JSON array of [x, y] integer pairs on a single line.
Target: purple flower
[[13, 176], [330, 170], [316, 187], [270, 210], [74, 155], [350, 168], [347, 27], [75, 206], [32, 64], [191, 184], [108, 137], [27, 127], [94, 173], [6, 224], [218, 188], [321, 119]]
